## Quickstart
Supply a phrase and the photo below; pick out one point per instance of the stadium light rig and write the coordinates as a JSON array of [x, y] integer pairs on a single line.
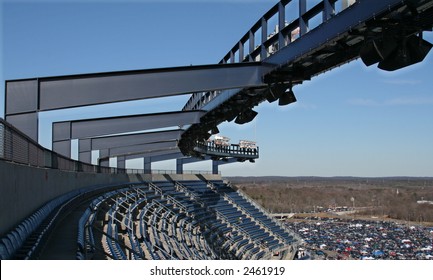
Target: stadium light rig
[[393, 53], [287, 97], [246, 116], [281, 92]]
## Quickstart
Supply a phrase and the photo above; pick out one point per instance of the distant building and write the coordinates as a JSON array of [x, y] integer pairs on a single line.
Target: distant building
[[425, 202]]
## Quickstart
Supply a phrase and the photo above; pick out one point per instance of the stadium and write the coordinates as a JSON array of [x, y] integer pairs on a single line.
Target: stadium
[[56, 207]]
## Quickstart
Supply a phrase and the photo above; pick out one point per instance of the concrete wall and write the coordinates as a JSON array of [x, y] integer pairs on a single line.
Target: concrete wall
[[24, 189]]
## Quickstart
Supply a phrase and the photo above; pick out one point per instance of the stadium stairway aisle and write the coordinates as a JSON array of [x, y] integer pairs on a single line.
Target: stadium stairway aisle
[[62, 244]]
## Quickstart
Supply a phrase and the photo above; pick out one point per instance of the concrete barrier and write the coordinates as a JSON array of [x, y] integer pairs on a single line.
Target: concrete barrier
[[23, 189]]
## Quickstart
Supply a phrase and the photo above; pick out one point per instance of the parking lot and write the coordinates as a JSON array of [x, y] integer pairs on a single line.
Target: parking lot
[[332, 238]]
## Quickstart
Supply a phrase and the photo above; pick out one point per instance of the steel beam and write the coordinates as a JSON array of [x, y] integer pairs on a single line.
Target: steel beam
[[185, 160], [157, 155], [142, 148], [85, 146], [52, 93], [217, 163], [63, 132], [67, 130], [109, 142], [164, 157], [175, 152], [25, 98], [148, 157], [154, 156], [359, 12]]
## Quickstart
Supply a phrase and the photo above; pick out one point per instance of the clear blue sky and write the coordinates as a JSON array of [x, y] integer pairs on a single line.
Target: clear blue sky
[[352, 121]]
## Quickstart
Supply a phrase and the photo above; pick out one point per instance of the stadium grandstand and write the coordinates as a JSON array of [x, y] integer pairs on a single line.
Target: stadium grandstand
[[148, 217]]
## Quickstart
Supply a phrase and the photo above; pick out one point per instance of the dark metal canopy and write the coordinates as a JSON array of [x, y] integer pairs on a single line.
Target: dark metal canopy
[[142, 148], [81, 129], [85, 146], [64, 131], [297, 50], [108, 142]]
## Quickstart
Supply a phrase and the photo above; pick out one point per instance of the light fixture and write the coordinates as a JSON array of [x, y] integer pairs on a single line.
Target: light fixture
[[246, 116], [287, 97], [275, 92], [393, 54], [377, 50], [204, 136], [412, 50]]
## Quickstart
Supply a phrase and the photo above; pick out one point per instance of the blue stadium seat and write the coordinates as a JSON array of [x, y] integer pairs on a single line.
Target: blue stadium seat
[[4, 252]]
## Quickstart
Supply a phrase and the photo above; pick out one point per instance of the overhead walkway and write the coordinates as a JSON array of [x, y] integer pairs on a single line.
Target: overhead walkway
[[218, 152], [321, 37]]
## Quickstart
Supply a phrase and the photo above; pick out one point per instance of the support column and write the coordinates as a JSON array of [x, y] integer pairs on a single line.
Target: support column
[[264, 51], [85, 150], [22, 106], [179, 166], [121, 162], [328, 10], [104, 159], [147, 165], [303, 26], [281, 24], [215, 167]]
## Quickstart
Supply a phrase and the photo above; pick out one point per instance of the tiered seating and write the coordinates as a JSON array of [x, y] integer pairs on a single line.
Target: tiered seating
[[247, 207], [261, 232], [181, 220], [159, 220]]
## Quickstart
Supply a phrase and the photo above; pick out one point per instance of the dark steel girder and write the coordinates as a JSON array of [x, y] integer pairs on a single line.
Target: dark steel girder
[[167, 154], [148, 159], [52, 93], [88, 128], [25, 98], [109, 142], [141, 148], [63, 132], [85, 146], [331, 30], [336, 41]]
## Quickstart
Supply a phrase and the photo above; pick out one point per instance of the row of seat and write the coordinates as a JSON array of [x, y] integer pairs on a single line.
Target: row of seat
[[25, 239], [260, 235], [85, 239], [182, 220]]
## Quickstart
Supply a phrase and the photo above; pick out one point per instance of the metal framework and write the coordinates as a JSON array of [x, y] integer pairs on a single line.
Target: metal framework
[[25, 98], [148, 158], [85, 146], [63, 132], [262, 65], [141, 148], [180, 162], [317, 40]]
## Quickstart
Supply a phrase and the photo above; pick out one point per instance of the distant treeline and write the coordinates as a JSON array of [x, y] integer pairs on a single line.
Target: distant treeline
[[395, 197]]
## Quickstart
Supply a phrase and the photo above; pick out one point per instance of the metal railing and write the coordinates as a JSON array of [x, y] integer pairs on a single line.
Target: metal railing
[[233, 150]]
